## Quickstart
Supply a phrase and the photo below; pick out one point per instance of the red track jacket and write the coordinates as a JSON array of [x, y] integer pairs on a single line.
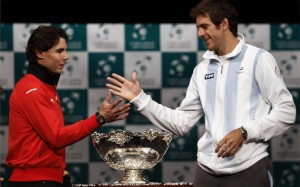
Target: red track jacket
[[37, 135]]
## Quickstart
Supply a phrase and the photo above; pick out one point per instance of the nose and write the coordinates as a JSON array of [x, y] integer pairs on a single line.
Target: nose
[[66, 57], [200, 32]]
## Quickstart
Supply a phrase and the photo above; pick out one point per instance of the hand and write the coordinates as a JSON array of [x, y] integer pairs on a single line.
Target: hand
[[230, 144], [111, 112], [123, 87]]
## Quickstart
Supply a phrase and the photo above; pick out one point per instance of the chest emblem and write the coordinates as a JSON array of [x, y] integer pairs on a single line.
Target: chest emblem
[[209, 76]]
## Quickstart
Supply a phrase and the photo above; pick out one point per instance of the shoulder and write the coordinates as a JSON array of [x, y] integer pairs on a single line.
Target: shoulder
[[29, 85]]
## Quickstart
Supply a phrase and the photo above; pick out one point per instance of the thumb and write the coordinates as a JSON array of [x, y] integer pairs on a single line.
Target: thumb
[[133, 77], [108, 96]]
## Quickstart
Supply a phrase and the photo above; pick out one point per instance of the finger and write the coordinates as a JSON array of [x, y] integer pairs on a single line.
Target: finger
[[219, 146], [119, 77], [124, 107], [108, 97], [228, 152], [225, 154], [221, 152], [113, 87], [222, 149], [124, 110], [123, 116], [133, 76], [116, 103], [114, 92], [114, 81]]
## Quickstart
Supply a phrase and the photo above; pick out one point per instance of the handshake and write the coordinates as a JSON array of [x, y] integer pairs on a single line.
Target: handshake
[[123, 88]]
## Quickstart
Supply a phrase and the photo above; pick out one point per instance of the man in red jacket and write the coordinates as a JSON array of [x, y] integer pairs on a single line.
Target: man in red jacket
[[37, 134]]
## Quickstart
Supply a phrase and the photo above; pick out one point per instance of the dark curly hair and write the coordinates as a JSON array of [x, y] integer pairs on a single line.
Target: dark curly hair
[[43, 38], [217, 10]]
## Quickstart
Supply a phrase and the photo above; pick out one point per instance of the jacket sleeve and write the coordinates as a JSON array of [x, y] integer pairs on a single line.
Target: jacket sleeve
[[275, 93], [178, 121]]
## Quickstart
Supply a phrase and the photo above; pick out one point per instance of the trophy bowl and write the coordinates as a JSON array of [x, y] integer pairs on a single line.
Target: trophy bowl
[[131, 151]]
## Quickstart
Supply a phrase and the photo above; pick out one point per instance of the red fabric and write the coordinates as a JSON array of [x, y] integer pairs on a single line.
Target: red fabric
[[37, 135]]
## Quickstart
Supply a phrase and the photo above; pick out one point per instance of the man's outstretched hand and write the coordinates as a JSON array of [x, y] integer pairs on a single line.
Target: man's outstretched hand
[[124, 88]]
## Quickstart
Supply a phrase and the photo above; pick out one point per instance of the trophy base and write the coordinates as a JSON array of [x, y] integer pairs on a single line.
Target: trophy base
[[133, 176]]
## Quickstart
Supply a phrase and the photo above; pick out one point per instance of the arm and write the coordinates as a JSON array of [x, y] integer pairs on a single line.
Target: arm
[[47, 120], [276, 109], [178, 121], [274, 92]]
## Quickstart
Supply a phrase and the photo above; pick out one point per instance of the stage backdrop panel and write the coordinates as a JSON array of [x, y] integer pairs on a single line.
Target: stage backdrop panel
[[164, 56]]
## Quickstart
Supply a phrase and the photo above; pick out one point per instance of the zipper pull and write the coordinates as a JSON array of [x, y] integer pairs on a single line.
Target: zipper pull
[[221, 68]]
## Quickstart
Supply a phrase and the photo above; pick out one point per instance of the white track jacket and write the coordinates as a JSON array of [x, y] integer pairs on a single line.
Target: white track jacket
[[244, 89]]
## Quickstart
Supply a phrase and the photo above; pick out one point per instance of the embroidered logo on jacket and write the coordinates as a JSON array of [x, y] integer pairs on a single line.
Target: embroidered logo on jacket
[[209, 76], [33, 89]]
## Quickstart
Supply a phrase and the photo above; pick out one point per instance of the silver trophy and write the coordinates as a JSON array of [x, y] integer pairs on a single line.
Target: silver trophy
[[131, 151]]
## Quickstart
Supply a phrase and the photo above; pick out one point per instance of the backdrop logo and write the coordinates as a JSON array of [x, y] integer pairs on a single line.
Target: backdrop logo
[[289, 139], [180, 174], [176, 100], [69, 66], [178, 143], [142, 65], [290, 176], [68, 103], [105, 176], [176, 32], [142, 37], [178, 66], [139, 32], [183, 147], [69, 30], [78, 173], [102, 32], [104, 66], [285, 36], [285, 32], [249, 31], [286, 65], [255, 34], [28, 29], [76, 35]]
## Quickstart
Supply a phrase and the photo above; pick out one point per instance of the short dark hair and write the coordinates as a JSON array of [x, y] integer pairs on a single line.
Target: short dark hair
[[217, 10], [43, 38]]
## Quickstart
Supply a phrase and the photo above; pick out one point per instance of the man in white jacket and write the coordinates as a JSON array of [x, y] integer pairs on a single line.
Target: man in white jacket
[[239, 90]]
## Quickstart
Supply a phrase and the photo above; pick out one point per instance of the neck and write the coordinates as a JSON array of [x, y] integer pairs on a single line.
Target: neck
[[43, 74], [229, 43]]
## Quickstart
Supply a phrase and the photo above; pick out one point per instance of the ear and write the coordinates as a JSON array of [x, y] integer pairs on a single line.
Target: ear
[[39, 54], [225, 24]]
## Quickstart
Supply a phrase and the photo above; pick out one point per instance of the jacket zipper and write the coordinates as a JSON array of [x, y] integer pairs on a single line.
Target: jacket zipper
[[221, 68]]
